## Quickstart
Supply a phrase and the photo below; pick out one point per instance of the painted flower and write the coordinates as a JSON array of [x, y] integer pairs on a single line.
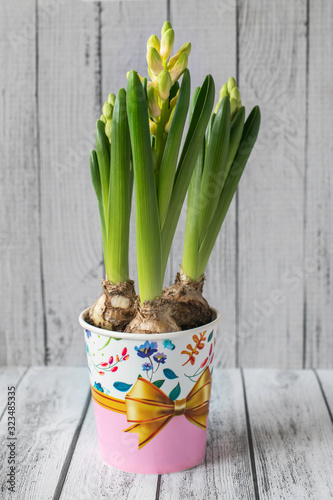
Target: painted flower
[[88, 333], [104, 365], [117, 358], [111, 360], [101, 373], [160, 357], [124, 351], [98, 386], [114, 369], [146, 367], [147, 349], [210, 350], [168, 344], [126, 357]]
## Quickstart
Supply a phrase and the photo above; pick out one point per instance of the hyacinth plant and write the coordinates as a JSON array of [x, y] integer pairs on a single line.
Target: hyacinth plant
[[139, 135]]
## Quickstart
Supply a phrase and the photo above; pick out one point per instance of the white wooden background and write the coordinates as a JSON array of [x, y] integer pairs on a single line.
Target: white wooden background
[[270, 274]]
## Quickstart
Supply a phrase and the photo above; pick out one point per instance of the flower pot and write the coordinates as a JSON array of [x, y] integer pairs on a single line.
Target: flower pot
[[151, 396]]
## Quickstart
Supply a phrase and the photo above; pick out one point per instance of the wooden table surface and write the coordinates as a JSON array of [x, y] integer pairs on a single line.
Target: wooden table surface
[[270, 437]]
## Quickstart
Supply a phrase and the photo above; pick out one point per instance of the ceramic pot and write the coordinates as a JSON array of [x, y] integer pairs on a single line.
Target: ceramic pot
[[151, 396]]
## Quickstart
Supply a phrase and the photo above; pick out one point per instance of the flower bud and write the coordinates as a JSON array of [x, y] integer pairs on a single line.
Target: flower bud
[[179, 67], [153, 41], [108, 130], [168, 125], [235, 94], [164, 84], [152, 127], [174, 100], [168, 39], [234, 106], [107, 110], [231, 84], [186, 48], [102, 118], [166, 26], [154, 109], [111, 99], [224, 91], [154, 61]]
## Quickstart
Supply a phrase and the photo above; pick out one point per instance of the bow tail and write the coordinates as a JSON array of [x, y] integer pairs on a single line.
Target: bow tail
[[147, 431], [198, 420]]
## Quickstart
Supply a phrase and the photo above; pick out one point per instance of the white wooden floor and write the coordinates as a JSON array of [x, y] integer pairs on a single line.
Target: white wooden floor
[[270, 437]]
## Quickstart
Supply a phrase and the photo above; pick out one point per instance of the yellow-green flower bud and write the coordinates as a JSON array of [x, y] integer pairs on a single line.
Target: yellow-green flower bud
[[174, 100], [153, 41], [102, 118], [234, 106], [235, 94], [154, 61], [164, 84], [152, 127], [179, 67], [107, 110], [166, 26], [111, 99], [108, 129], [231, 84], [224, 91], [168, 39], [186, 48], [154, 109], [168, 125]]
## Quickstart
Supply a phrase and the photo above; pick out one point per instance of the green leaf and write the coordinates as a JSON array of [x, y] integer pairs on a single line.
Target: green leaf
[[159, 383], [121, 386], [169, 160], [193, 142], [96, 181], [103, 157], [249, 137], [214, 169], [174, 394], [120, 195], [107, 343], [168, 373], [148, 236], [210, 336]]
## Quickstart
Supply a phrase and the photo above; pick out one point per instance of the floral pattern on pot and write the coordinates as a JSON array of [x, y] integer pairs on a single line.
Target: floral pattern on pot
[[115, 364]]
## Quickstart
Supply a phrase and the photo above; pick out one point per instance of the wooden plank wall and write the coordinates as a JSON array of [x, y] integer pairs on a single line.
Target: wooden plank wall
[[270, 273]]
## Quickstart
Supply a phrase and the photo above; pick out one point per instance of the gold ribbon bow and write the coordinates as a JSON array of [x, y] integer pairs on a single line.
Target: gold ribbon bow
[[150, 409]]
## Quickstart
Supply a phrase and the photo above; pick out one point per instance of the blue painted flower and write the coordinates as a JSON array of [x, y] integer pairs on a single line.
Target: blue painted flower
[[88, 333], [146, 367], [160, 357], [147, 349], [168, 344], [98, 386]]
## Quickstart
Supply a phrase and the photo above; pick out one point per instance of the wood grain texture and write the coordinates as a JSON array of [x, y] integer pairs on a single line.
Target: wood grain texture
[[98, 480], [272, 69], [9, 376], [21, 329], [292, 434], [318, 251], [326, 381], [69, 83], [49, 406], [226, 471], [212, 32]]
